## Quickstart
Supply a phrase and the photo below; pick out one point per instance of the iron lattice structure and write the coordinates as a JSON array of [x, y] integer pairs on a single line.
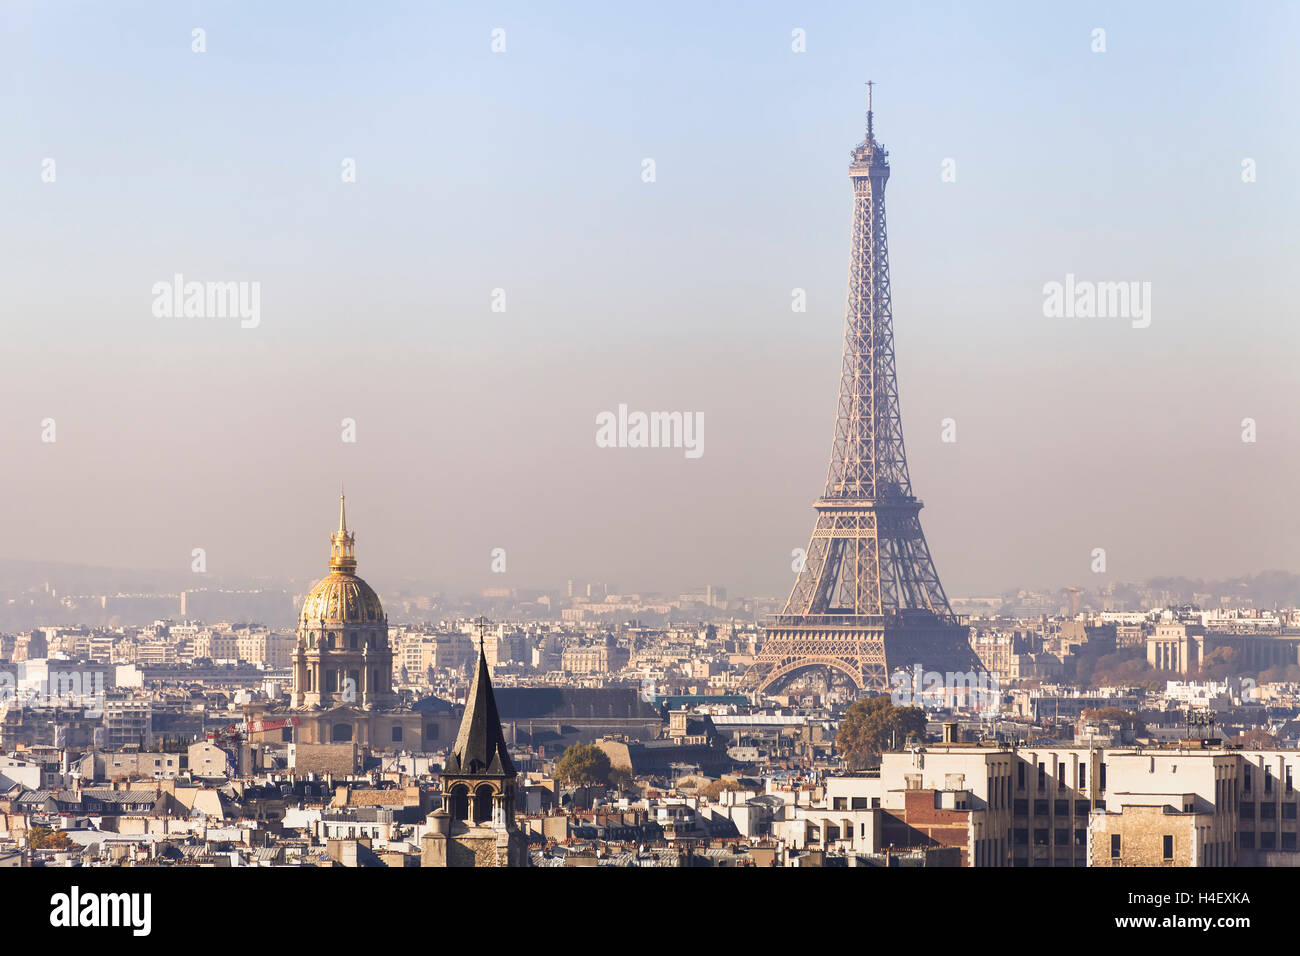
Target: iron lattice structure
[[868, 594]]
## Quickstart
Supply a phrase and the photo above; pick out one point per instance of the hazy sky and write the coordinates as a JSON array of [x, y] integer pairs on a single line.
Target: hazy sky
[[522, 171]]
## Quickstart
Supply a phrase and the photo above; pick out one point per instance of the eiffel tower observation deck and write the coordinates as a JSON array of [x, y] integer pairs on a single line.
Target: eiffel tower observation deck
[[868, 600]]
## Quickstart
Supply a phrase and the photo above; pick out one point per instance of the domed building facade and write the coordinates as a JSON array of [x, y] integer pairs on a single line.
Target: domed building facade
[[343, 655]]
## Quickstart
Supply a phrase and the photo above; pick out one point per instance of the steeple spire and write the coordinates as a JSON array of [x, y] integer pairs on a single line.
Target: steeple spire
[[480, 746], [342, 557]]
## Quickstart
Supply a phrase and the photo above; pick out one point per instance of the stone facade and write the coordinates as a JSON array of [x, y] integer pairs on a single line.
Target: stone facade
[[1147, 836]]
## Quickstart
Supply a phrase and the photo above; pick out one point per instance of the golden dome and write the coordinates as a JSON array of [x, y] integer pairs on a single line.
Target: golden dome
[[342, 598]]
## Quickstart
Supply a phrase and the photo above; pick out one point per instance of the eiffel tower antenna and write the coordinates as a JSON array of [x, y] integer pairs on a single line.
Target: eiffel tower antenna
[[870, 135], [868, 599]]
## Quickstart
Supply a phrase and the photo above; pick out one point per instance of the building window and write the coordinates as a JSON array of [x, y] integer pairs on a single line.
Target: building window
[[1081, 808], [1020, 807], [1245, 780], [1268, 779], [341, 733], [1040, 808], [1288, 811], [1020, 775], [1288, 841], [1060, 775], [1080, 837], [1268, 841], [1268, 811], [1289, 786], [1083, 776], [397, 733], [1062, 808], [1169, 846], [1247, 840], [1040, 836], [431, 732], [1247, 811], [1114, 846], [1042, 775], [1101, 777]]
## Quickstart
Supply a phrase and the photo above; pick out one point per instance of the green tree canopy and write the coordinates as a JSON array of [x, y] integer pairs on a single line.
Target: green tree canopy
[[583, 764], [43, 838], [872, 725]]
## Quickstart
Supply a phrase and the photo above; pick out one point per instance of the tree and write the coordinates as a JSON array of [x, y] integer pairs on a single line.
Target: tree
[[43, 838], [872, 725], [583, 764], [1219, 664], [623, 780], [715, 788], [1257, 738], [1115, 715]]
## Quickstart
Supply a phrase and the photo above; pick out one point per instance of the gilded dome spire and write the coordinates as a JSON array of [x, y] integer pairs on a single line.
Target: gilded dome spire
[[342, 557]]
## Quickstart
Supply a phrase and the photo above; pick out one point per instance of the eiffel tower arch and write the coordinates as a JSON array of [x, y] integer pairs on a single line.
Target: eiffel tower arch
[[868, 599]]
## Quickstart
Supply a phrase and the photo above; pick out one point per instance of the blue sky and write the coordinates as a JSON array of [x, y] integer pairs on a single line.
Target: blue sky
[[521, 170]]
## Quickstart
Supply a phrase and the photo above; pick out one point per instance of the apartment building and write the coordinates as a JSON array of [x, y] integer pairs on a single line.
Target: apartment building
[[1065, 806]]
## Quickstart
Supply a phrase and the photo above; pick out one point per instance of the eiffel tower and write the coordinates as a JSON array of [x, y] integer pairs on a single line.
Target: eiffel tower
[[867, 600]]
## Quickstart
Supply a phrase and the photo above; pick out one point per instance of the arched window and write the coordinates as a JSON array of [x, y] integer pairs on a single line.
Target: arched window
[[482, 803], [459, 802]]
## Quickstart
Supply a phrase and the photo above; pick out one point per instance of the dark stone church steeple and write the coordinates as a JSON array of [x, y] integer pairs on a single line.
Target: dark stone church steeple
[[476, 825], [480, 746]]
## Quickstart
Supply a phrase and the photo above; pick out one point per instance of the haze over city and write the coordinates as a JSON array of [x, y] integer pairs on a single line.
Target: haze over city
[[523, 171]]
